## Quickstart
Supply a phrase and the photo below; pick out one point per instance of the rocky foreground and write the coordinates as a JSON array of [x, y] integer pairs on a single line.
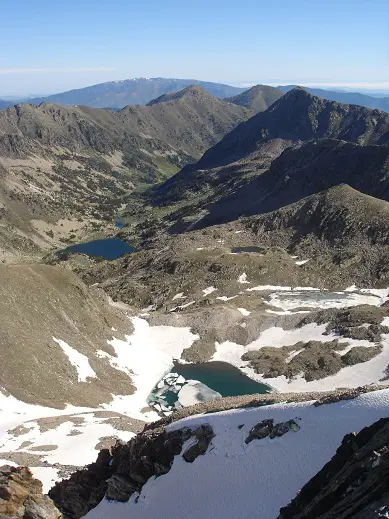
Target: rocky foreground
[[232, 462], [21, 496]]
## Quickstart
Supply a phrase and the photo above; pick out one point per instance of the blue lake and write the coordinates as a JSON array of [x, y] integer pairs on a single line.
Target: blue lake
[[120, 223], [107, 248], [221, 377]]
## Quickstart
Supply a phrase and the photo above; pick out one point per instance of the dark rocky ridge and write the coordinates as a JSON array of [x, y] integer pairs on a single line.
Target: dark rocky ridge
[[293, 120], [299, 116], [123, 471], [353, 485], [349, 98], [299, 173]]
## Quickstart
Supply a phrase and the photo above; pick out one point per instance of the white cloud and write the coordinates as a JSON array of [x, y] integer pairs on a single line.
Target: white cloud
[[48, 70]]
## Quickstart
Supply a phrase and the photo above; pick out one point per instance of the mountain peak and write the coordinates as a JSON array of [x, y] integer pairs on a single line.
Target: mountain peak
[[297, 92], [299, 116], [190, 92], [257, 98]]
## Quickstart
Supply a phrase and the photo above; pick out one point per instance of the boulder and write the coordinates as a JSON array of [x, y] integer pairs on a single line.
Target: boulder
[[21, 496]]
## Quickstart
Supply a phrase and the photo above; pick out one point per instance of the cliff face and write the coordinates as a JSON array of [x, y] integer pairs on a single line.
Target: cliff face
[[354, 484], [124, 471]]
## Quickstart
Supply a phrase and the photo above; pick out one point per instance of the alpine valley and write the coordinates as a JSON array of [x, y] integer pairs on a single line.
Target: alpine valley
[[194, 304]]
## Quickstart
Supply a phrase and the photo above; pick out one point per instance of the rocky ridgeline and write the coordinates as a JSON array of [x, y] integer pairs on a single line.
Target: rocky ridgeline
[[117, 475], [21, 496], [354, 484]]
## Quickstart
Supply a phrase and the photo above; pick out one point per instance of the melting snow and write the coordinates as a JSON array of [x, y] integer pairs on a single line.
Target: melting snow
[[194, 392], [208, 291], [78, 360], [301, 298], [225, 298], [149, 353], [243, 278], [244, 312], [179, 296], [302, 262]]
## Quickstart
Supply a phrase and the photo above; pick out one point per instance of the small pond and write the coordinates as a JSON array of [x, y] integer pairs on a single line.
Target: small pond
[[221, 377], [107, 248], [214, 380], [119, 222]]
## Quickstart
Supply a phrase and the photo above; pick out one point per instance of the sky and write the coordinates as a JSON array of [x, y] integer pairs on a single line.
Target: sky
[[51, 46]]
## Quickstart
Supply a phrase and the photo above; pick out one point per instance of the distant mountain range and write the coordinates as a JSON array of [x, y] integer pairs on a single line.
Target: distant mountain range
[[117, 94], [6, 104], [141, 91]]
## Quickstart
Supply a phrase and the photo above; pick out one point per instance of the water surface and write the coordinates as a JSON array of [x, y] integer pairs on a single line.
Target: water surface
[[221, 377], [107, 248]]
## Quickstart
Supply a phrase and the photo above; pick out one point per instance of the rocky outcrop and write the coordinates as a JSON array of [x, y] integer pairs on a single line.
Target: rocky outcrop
[[269, 429], [123, 471], [313, 360], [21, 496], [84, 489], [354, 484]]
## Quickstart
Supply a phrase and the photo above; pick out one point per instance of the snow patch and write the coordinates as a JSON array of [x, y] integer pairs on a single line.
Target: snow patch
[[208, 291], [225, 298], [179, 296], [243, 278], [147, 354], [244, 312], [302, 262], [78, 360], [47, 475], [268, 288]]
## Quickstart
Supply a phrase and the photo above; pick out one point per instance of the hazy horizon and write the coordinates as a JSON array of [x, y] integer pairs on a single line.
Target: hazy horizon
[[365, 88]]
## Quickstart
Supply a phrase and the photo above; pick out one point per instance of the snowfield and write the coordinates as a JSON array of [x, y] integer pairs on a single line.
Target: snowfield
[[238, 480]]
